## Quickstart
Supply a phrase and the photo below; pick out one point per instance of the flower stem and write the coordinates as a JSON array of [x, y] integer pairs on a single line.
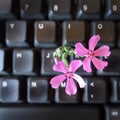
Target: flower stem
[[62, 54]]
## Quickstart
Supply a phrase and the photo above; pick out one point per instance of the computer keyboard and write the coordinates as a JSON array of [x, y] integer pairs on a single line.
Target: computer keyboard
[[30, 31]]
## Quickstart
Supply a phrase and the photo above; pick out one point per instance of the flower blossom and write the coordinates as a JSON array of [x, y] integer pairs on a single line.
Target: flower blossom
[[69, 74], [92, 55]]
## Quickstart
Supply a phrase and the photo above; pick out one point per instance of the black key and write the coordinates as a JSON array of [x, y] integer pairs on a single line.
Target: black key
[[23, 62], [113, 67], [37, 90], [2, 34], [45, 34], [95, 91], [112, 9], [2, 55], [106, 30], [16, 33], [47, 62], [118, 34], [31, 9], [59, 9], [50, 113], [5, 62], [9, 90], [62, 97], [5, 9], [115, 96], [73, 31], [89, 9], [112, 113]]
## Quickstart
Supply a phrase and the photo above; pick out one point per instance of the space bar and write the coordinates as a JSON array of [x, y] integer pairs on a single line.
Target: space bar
[[50, 113]]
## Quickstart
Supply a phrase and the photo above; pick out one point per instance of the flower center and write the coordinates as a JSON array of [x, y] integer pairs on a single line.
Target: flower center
[[91, 54], [69, 74]]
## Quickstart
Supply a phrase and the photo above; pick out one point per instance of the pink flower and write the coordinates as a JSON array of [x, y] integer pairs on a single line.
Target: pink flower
[[92, 55], [68, 73]]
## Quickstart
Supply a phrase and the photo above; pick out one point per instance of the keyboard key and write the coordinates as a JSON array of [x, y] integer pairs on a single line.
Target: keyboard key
[[31, 9], [2, 55], [47, 62], [112, 9], [45, 34], [5, 9], [73, 31], [16, 33], [59, 9], [89, 10], [106, 30], [113, 67], [5, 62], [115, 95], [23, 62], [37, 90], [50, 113], [118, 35], [112, 113], [9, 89], [62, 97], [95, 91], [2, 34]]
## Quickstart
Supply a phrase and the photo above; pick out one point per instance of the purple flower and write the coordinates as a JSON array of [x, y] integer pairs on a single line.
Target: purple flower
[[69, 74], [92, 55]]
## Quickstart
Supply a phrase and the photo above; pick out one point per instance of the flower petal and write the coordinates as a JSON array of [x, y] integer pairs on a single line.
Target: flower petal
[[102, 51], [80, 80], [80, 49], [74, 65], [87, 64], [93, 42], [70, 87], [56, 60], [99, 64], [60, 67], [56, 81]]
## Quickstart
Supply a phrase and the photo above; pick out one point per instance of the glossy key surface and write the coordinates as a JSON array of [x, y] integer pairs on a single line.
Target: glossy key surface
[[31, 9], [73, 32], [49, 112], [23, 61], [16, 33], [37, 89], [9, 90], [87, 8], [59, 9], [45, 34]]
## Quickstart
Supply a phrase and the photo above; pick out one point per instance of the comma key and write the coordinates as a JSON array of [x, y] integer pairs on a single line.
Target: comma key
[[95, 91]]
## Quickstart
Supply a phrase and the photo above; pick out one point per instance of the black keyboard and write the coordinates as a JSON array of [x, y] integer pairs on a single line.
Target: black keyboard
[[30, 31]]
